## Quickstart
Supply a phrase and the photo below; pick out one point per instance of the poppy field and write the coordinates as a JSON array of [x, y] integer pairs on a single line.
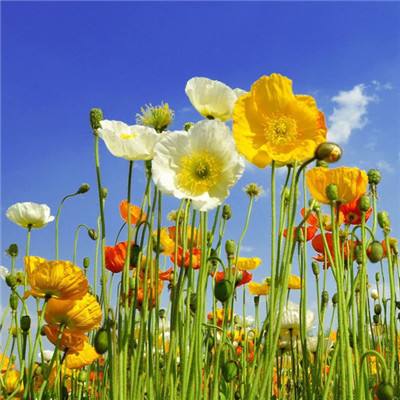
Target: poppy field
[[169, 307]]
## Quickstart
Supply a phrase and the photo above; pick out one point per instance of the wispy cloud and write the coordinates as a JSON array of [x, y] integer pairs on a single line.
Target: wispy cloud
[[385, 166], [350, 113], [382, 86]]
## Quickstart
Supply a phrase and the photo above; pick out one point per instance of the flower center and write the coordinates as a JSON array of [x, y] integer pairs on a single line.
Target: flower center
[[127, 136], [280, 130], [199, 172]]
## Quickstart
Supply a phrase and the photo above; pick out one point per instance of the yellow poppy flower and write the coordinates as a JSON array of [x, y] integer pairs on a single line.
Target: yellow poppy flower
[[58, 279], [272, 123], [12, 383], [76, 315], [351, 183], [294, 282], [166, 243], [5, 363], [71, 341], [248, 264], [258, 289], [79, 359]]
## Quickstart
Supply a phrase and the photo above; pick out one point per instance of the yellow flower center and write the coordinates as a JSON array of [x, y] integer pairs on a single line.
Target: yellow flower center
[[127, 136], [199, 172], [280, 130]]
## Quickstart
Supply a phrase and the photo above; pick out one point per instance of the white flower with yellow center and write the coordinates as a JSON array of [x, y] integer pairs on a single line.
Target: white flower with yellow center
[[201, 165], [212, 99], [29, 215], [135, 142]]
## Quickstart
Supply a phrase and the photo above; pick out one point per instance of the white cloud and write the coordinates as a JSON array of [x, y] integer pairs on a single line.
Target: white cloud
[[382, 86], [350, 113], [385, 166]]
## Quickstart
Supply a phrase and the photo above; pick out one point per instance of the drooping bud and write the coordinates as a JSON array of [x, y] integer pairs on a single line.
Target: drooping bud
[[364, 204], [25, 323], [223, 290], [328, 152], [230, 371], [332, 192], [315, 268], [101, 341], [375, 252], [383, 220], [86, 262], [374, 176], [85, 187], [92, 234], [12, 250], [230, 248], [226, 212], [96, 116], [385, 391]]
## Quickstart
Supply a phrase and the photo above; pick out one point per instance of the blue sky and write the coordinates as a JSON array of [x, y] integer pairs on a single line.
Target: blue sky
[[60, 59]]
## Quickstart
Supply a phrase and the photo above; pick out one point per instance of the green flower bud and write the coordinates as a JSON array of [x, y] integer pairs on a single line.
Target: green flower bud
[[92, 234], [328, 152], [375, 252], [83, 188], [101, 341], [12, 250], [25, 323], [86, 262], [335, 298], [332, 192], [162, 313], [383, 220], [324, 298], [13, 301], [256, 300], [315, 268], [374, 176], [378, 309], [358, 254], [364, 204], [377, 276], [226, 212], [82, 377], [104, 193], [322, 164], [223, 290], [375, 318], [187, 126], [230, 371], [11, 280], [230, 248], [96, 116], [385, 391]]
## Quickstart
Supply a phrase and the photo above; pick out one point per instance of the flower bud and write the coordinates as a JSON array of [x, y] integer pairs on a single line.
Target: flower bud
[[358, 254], [377, 276], [364, 204], [96, 116], [226, 212], [83, 188], [375, 252], [374, 176], [378, 309], [11, 280], [315, 268], [193, 302], [25, 323], [256, 300], [223, 290], [383, 220], [324, 298], [12, 250], [92, 234], [385, 391], [374, 294], [230, 248], [335, 298], [187, 126], [328, 152], [322, 164], [332, 192], [13, 301], [162, 313], [104, 193], [82, 377], [230, 370], [375, 318], [86, 262], [101, 341]]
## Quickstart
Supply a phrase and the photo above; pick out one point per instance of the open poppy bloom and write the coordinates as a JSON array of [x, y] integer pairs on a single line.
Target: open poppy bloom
[[166, 275], [79, 359], [219, 316], [242, 277], [309, 230], [136, 213], [69, 341], [115, 257], [152, 290], [184, 259], [259, 289], [248, 263], [352, 214]]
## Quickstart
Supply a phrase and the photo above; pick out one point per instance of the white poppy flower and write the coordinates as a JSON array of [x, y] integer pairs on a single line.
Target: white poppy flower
[[291, 317], [135, 142], [312, 343], [3, 272], [47, 355], [212, 99], [201, 165], [29, 214]]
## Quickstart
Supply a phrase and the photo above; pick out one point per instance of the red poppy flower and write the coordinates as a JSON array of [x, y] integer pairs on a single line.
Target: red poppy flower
[[166, 275], [115, 257], [352, 214], [242, 277], [310, 230]]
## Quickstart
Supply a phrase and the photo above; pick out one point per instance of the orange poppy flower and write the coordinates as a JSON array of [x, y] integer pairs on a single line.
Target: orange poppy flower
[[115, 257], [70, 341], [166, 275], [184, 260], [352, 214], [242, 277], [152, 289], [135, 212], [309, 230]]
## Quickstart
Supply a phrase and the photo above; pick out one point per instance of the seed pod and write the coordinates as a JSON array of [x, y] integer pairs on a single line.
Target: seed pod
[[223, 290], [101, 341], [14, 301], [12, 250], [375, 252], [230, 248], [331, 192], [383, 220], [25, 323], [96, 115], [364, 204], [230, 370], [226, 212], [374, 176], [377, 309], [385, 391]]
